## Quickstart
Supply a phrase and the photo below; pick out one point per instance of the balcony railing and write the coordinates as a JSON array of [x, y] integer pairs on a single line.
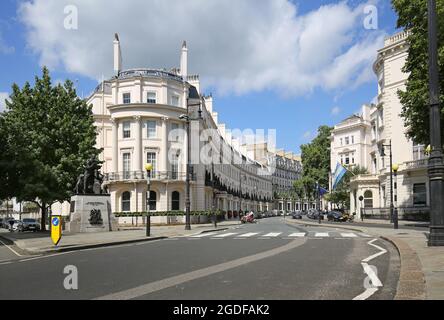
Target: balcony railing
[[417, 164], [142, 175]]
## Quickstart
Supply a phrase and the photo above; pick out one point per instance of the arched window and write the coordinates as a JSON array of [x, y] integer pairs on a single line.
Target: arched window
[[153, 200], [175, 200], [126, 201], [368, 199]]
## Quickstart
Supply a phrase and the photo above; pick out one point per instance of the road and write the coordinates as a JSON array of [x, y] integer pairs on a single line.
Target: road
[[267, 260]]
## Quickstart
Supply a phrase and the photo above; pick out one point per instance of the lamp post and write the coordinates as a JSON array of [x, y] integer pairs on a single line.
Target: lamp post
[[360, 209], [148, 168], [395, 188], [436, 165], [214, 195], [391, 177], [242, 176], [187, 119]]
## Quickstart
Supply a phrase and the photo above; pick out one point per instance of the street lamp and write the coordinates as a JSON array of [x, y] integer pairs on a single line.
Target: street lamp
[[395, 168], [391, 176], [148, 168], [436, 165], [187, 119], [362, 211], [242, 176]]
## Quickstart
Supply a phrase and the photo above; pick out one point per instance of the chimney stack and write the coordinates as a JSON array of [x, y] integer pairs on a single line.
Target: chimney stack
[[184, 61], [117, 55]]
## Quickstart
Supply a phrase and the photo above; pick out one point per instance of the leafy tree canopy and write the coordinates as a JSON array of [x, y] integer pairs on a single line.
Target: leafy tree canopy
[[49, 135], [412, 16]]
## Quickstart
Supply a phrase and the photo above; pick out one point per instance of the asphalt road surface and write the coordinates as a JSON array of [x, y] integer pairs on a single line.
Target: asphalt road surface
[[266, 260]]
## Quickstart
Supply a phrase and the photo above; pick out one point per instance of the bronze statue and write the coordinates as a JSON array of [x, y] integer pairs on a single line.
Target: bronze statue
[[90, 182]]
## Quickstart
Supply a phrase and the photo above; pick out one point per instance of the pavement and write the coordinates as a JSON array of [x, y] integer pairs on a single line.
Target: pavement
[[422, 267], [32, 243]]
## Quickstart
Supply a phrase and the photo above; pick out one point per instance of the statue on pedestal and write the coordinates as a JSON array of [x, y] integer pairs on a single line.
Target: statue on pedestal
[[90, 181]]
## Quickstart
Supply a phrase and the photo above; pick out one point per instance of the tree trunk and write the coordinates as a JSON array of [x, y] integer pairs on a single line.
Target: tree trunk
[[43, 224]]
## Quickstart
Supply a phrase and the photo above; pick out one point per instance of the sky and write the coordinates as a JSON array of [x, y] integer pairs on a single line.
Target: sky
[[289, 65]]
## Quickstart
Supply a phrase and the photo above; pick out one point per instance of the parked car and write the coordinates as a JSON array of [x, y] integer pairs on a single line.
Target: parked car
[[15, 226], [5, 223], [29, 225], [334, 216], [296, 215], [315, 214]]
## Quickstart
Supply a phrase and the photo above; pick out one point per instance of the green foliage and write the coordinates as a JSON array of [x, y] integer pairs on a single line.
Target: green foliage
[[412, 16], [315, 163], [49, 135]]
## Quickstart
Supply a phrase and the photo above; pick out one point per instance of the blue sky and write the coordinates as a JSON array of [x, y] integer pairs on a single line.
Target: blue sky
[[295, 114]]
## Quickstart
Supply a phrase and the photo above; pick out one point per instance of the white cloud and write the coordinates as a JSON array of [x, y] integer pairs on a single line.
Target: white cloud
[[3, 97], [237, 46], [335, 111]]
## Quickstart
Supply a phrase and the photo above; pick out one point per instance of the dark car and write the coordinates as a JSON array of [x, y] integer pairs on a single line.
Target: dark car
[[29, 225], [296, 215], [315, 214], [334, 216], [5, 223]]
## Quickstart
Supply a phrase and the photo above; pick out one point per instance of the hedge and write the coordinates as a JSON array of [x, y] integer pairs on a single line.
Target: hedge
[[167, 213]]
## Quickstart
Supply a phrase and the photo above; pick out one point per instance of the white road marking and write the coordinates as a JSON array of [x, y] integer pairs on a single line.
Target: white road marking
[[203, 235], [219, 236], [365, 235], [382, 251], [321, 234], [297, 234], [349, 235], [376, 283], [247, 235], [366, 294], [372, 275], [15, 252], [272, 234]]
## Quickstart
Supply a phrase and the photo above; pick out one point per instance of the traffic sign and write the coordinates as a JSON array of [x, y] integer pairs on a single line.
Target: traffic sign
[[56, 229]]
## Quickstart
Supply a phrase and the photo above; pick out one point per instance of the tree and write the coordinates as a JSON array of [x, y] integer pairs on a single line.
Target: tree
[[316, 161], [412, 16], [50, 133]]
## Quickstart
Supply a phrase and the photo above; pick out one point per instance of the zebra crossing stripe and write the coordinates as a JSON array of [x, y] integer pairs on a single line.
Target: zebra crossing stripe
[[272, 234], [348, 235], [225, 235], [321, 234], [297, 234], [203, 235], [247, 235]]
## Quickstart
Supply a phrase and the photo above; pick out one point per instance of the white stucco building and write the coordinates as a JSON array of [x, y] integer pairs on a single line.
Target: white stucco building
[[373, 130], [138, 118]]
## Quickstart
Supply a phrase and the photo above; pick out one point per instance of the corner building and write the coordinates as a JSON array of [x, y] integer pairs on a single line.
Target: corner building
[[138, 118]]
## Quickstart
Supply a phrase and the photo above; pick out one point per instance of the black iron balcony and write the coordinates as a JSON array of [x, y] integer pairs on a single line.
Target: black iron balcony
[[142, 175]]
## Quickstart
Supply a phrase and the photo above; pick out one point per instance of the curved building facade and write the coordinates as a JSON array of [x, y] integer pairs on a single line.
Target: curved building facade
[[141, 117]]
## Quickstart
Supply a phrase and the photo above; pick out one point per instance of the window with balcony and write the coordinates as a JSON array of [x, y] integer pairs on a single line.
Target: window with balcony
[[126, 98], [176, 132], [174, 169], [347, 158], [151, 158], [418, 151], [151, 129], [373, 131], [126, 162], [347, 140], [126, 129], [151, 97], [419, 194]]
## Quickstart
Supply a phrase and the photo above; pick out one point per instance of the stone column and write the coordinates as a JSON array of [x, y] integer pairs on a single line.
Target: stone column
[[115, 147], [164, 164], [138, 146]]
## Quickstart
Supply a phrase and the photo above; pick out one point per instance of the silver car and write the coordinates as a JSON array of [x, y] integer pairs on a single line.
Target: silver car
[[29, 225]]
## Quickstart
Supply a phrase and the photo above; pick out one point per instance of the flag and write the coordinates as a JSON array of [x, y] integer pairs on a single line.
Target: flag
[[338, 175], [321, 191]]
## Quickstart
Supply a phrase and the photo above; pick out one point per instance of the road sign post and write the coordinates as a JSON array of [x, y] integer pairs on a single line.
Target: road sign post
[[56, 229]]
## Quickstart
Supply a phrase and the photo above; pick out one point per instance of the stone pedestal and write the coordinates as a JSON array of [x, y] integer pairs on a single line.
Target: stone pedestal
[[91, 213]]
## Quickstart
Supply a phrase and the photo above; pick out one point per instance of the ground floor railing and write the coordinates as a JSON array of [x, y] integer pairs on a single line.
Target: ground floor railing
[[404, 213]]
